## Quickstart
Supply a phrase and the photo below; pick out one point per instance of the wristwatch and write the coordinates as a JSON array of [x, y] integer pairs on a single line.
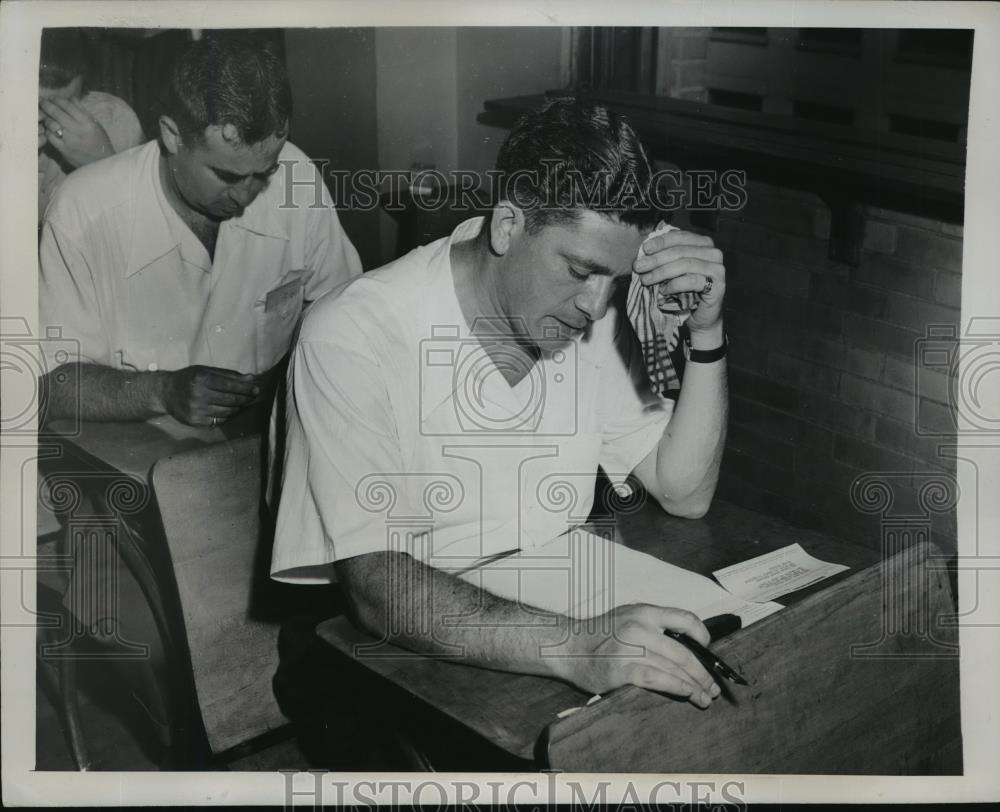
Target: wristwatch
[[706, 356]]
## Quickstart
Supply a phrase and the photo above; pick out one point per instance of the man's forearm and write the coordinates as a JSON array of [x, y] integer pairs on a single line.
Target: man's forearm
[[93, 392], [399, 599], [690, 452]]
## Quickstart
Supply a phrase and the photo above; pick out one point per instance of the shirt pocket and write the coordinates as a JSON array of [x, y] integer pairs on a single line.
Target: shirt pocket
[[277, 313]]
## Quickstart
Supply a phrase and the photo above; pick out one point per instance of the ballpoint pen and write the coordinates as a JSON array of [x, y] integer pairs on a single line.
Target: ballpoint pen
[[712, 662]]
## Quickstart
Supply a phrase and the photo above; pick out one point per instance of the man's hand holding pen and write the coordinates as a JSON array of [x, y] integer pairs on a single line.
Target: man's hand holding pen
[[637, 652]]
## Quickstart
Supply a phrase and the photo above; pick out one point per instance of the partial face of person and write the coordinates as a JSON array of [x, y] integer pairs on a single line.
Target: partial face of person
[[71, 92], [220, 176], [561, 278]]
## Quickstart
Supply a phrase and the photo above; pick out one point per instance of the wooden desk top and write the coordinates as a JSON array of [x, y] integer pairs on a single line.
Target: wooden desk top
[[512, 710], [730, 534]]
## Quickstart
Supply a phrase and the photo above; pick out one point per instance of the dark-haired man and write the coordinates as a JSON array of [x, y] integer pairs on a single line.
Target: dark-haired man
[[76, 126], [485, 359], [182, 267]]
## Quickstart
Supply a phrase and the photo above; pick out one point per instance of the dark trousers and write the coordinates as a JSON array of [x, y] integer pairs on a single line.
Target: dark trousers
[[348, 718], [344, 721]]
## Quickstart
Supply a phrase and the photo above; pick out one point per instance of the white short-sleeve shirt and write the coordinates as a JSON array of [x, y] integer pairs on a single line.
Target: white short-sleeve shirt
[[403, 434], [125, 283]]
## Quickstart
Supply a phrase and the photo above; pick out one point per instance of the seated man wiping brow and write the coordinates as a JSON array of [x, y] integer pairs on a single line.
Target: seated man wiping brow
[[427, 368], [76, 125]]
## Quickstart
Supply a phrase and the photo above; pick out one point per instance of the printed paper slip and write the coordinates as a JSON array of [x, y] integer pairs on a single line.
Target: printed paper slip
[[770, 576]]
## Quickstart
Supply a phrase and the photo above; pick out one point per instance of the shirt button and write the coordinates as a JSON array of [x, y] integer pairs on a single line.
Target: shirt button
[[218, 328], [152, 367]]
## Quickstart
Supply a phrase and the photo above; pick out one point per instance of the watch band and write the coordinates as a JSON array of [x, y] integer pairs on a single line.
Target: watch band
[[707, 356]]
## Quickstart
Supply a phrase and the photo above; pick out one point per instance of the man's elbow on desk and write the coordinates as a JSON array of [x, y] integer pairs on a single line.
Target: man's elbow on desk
[[682, 491], [692, 508], [364, 579], [679, 499]]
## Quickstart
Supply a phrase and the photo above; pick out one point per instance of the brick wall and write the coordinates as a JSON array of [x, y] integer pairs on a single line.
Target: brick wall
[[823, 373]]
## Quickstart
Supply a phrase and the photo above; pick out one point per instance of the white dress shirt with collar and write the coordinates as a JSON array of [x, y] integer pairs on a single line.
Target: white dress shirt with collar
[[125, 283], [403, 434]]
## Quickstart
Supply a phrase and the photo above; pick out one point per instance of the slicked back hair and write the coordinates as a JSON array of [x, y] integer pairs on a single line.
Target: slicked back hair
[[572, 155], [228, 79]]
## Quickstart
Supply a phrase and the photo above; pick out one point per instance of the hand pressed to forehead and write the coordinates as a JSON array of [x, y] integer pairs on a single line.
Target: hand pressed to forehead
[[73, 131], [688, 270], [678, 303]]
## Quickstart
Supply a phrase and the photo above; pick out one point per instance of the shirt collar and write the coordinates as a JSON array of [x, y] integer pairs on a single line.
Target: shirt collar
[[446, 320], [451, 333], [261, 217], [152, 234]]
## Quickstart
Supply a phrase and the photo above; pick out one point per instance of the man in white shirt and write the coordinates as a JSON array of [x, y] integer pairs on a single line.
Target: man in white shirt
[[430, 400], [179, 270], [181, 267], [76, 126]]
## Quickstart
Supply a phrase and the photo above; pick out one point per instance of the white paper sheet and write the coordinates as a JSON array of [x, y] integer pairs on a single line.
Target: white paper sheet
[[774, 574], [583, 575]]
